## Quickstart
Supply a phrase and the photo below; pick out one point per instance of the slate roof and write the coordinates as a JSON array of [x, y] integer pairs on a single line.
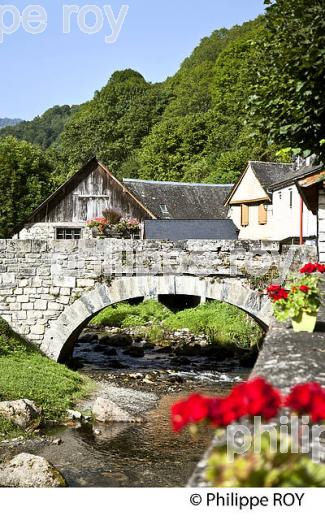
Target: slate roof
[[295, 176], [269, 173], [222, 229], [181, 200]]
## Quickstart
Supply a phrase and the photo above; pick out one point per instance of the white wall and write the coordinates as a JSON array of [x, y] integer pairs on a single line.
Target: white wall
[[286, 220], [321, 224], [249, 188], [282, 222]]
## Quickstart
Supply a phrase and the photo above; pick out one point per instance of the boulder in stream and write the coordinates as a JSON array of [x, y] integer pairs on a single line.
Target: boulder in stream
[[30, 471], [105, 410], [23, 413], [122, 404]]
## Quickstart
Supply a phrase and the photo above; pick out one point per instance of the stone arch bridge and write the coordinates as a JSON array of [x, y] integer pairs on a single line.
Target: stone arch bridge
[[49, 290]]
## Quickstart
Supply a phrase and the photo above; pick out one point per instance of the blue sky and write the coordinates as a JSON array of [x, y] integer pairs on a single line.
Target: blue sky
[[52, 68]]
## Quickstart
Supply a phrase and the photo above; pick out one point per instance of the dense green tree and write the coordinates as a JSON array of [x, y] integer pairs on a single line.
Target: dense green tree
[[204, 134], [113, 124], [173, 146], [43, 130], [289, 99], [25, 176]]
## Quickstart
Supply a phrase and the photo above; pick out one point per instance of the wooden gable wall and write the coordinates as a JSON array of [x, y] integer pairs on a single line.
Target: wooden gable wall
[[86, 196]]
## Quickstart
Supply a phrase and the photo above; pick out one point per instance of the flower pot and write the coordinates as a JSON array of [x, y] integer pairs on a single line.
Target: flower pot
[[96, 233], [304, 322]]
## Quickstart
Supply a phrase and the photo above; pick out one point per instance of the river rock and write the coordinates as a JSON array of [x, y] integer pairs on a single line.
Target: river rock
[[190, 349], [147, 345], [129, 404], [118, 340], [87, 338], [30, 471], [23, 413], [105, 410], [74, 415], [136, 352], [164, 350]]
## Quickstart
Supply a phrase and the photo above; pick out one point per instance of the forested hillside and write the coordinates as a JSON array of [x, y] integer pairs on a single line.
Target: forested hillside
[[247, 93], [43, 130]]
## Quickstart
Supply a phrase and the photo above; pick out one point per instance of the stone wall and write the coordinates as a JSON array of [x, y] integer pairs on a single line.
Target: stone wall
[[51, 288], [47, 231]]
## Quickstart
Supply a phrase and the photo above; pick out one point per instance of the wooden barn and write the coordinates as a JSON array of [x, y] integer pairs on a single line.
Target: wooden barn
[[94, 189]]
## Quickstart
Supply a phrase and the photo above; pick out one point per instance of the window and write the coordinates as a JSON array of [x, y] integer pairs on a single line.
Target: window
[[244, 215], [291, 199], [68, 233], [262, 214]]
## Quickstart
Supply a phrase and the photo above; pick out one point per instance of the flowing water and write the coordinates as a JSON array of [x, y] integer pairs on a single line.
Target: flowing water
[[147, 454]]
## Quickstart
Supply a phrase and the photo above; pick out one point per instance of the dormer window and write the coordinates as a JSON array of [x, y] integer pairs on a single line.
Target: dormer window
[[164, 209]]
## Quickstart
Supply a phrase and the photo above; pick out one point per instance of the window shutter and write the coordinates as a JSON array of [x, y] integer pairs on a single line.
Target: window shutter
[[262, 214], [244, 215]]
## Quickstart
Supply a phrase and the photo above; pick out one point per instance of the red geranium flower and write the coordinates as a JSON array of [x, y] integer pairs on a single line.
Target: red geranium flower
[[308, 268], [260, 398], [254, 398], [313, 268], [191, 410], [320, 268], [277, 292], [304, 288], [308, 399], [227, 410]]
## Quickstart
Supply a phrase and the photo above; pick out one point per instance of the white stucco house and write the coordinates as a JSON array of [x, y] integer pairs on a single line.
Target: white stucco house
[[265, 204]]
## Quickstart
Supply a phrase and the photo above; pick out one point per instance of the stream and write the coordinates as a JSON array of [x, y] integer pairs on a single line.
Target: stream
[[146, 454]]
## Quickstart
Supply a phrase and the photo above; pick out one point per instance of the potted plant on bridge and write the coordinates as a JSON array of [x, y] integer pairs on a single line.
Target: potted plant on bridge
[[300, 300]]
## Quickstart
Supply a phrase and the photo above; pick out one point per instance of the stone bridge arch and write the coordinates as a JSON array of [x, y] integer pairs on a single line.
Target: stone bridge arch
[[62, 333]]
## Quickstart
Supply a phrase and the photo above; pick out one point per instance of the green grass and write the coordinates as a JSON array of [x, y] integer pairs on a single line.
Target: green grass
[[26, 373], [222, 323], [126, 315]]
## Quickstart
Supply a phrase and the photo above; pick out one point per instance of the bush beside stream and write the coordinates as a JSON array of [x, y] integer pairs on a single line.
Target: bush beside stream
[[223, 324]]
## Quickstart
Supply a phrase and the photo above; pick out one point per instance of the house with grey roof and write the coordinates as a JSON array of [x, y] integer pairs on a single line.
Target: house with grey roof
[[265, 204], [187, 209]]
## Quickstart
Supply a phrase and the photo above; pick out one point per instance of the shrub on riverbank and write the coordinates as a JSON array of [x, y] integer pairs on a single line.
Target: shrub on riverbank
[[26, 373], [222, 323]]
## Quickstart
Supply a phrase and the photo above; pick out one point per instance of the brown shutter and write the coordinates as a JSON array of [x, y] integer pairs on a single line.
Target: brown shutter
[[262, 214], [244, 215]]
